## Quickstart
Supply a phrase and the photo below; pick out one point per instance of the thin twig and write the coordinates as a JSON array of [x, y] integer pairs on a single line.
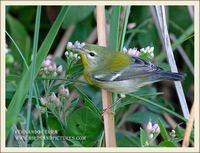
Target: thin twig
[[160, 10], [61, 46], [189, 127], [170, 120], [183, 54], [109, 126]]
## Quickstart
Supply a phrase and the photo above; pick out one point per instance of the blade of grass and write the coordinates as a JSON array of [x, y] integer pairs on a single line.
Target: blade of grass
[[35, 47], [26, 65], [159, 106], [143, 138], [160, 10], [123, 33], [23, 87], [114, 28], [163, 131]]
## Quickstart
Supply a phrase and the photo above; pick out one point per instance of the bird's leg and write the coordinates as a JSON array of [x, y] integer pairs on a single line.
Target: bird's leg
[[108, 109]]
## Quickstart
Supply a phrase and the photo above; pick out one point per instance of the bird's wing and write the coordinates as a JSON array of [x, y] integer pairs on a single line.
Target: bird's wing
[[138, 68]]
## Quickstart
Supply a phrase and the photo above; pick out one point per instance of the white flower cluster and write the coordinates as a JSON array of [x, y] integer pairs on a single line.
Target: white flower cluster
[[172, 134], [131, 51], [72, 55], [49, 67], [148, 50], [77, 45], [153, 130], [135, 52]]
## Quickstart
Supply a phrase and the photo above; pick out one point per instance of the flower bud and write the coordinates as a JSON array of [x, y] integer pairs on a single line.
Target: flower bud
[[77, 44], [9, 59], [173, 133], [149, 127], [53, 97], [124, 50], [46, 63], [131, 25], [82, 44], [66, 53], [54, 74], [63, 91], [151, 136], [71, 55], [44, 101], [49, 57], [60, 69], [70, 45], [156, 128]]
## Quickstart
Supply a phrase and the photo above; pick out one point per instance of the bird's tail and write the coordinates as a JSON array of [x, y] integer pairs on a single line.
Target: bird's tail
[[171, 76]]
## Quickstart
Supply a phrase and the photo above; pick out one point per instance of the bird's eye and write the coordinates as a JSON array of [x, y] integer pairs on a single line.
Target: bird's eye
[[92, 54]]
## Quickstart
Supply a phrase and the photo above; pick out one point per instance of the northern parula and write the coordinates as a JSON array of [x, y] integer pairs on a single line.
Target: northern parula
[[119, 72]]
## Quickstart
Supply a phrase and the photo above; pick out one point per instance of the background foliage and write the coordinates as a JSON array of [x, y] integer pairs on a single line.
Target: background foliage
[[82, 115]]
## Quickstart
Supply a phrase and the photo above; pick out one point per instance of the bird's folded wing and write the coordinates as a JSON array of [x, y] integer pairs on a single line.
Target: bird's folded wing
[[138, 68]]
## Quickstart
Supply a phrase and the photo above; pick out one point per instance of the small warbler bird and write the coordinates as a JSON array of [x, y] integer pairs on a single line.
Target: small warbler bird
[[118, 72]]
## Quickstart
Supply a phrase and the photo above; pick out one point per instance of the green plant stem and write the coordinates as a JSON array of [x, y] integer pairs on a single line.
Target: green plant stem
[[124, 27], [36, 90], [35, 46]]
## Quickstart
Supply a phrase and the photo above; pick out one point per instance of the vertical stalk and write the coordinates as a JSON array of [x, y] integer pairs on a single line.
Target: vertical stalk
[[35, 46], [109, 125], [189, 127], [161, 17]]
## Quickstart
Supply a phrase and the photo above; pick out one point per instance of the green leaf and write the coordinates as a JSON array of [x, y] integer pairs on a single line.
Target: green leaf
[[93, 93], [23, 87], [127, 139], [163, 131], [21, 37], [167, 144], [89, 103], [77, 14], [53, 123], [84, 122], [143, 138], [145, 117]]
